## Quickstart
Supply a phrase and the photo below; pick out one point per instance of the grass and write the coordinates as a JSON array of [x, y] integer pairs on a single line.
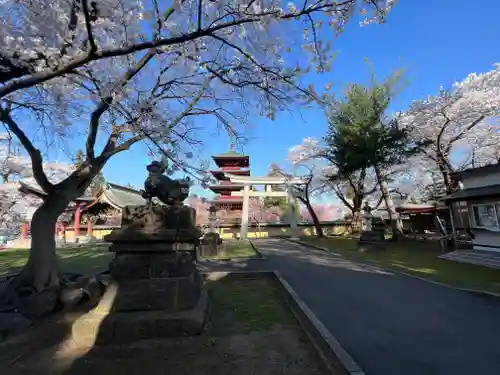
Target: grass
[[93, 259], [235, 249], [82, 260], [417, 258], [244, 305]]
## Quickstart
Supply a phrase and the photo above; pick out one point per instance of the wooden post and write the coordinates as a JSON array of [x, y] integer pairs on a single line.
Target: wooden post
[[89, 229], [293, 215], [244, 213], [76, 225], [453, 226], [63, 230]]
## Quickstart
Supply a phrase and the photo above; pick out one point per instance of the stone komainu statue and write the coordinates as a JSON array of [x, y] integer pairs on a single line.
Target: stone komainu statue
[[168, 191]]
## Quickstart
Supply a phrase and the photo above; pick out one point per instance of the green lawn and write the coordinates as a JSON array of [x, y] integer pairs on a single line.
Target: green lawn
[[244, 305], [417, 258], [93, 259], [235, 249], [83, 260]]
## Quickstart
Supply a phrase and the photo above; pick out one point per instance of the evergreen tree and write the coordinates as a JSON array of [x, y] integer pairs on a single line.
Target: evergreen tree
[[361, 136]]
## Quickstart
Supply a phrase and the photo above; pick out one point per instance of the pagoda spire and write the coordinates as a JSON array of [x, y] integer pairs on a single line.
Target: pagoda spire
[[232, 140]]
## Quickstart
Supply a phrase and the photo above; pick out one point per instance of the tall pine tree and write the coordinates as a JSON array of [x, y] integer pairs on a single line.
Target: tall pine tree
[[362, 136]]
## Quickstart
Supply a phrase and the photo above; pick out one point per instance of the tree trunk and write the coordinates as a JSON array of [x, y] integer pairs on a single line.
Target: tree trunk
[[41, 271], [446, 171], [391, 210], [317, 224], [356, 220]]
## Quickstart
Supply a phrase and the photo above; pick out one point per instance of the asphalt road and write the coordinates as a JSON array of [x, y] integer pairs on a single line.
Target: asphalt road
[[389, 323]]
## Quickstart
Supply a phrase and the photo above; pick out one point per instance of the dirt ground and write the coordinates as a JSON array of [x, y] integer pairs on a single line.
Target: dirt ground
[[272, 344], [279, 351]]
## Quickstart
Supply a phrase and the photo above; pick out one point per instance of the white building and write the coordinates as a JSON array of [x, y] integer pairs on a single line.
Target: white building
[[480, 193]]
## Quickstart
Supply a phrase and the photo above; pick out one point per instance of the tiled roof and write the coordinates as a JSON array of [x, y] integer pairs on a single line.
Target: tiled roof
[[121, 196], [231, 154], [480, 171], [479, 192]]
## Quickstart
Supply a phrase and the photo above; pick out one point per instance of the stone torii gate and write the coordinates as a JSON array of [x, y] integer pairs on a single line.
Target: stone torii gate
[[246, 193]]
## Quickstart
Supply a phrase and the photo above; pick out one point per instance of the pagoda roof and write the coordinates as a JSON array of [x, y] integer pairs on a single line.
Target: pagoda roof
[[226, 187], [220, 173], [231, 154], [220, 200]]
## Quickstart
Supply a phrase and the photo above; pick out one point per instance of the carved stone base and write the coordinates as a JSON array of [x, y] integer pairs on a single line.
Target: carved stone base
[[144, 265], [155, 288], [372, 240], [167, 294], [104, 326], [211, 238], [371, 236]]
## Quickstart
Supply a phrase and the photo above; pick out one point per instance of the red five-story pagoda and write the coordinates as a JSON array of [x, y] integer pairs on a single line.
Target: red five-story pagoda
[[229, 207]]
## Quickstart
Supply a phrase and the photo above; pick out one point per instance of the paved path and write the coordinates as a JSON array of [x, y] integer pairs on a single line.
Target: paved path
[[392, 324]]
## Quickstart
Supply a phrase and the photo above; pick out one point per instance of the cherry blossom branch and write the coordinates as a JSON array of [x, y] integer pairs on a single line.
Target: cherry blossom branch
[[112, 148], [200, 13], [35, 154], [88, 25], [106, 102], [463, 133], [263, 68], [89, 56], [341, 196]]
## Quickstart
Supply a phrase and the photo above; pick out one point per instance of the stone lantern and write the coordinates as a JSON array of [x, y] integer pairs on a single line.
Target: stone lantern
[[367, 217], [212, 217]]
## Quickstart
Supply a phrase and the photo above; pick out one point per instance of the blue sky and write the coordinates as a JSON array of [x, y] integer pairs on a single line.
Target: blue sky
[[440, 41]]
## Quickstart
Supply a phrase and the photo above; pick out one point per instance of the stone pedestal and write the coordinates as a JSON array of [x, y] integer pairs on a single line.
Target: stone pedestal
[[210, 245], [371, 236], [159, 291], [374, 238]]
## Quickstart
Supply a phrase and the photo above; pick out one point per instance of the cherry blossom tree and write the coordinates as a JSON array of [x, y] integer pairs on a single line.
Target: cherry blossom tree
[[324, 212], [350, 189], [256, 209], [461, 120], [12, 164], [201, 206], [314, 176], [132, 70], [16, 207]]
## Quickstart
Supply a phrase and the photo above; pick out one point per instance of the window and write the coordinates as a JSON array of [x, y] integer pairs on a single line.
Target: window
[[486, 215]]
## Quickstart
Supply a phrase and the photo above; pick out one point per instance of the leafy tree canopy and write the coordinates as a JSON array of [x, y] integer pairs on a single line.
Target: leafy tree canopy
[[361, 135]]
